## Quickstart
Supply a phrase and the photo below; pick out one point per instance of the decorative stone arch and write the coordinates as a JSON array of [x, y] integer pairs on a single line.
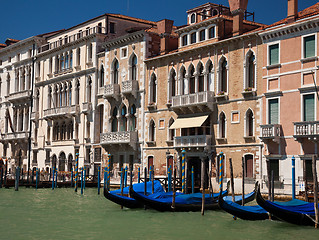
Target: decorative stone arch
[[70, 162], [223, 75], [183, 89], [209, 75], [62, 161], [102, 75], [153, 88], [250, 71], [222, 125], [191, 75], [249, 120], [172, 84], [200, 77], [152, 130], [132, 62], [115, 71]]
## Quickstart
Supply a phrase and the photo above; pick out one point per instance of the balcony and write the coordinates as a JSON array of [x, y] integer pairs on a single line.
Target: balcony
[[35, 116], [193, 141], [128, 137], [130, 87], [306, 130], [86, 107], [62, 112], [63, 71], [196, 102], [270, 132], [14, 136], [112, 91], [69, 39], [20, 97]]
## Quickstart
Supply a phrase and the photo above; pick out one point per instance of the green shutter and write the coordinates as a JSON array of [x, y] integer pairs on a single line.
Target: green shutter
[[309, 46], [309, 107], [273, 111], [274, 54]]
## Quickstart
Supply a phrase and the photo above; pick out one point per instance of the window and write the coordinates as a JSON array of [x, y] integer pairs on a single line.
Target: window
[[124, 52], [192, 79], [309, 174], [161, 124], [309, 107], [201, 78], [112, 27], [133, 118], [222, 125], [309, 46], [184, 81], [9, 59], [90, 52], [273, 110], [101, 116], [114, 120], [249, 123], [210, 77], [152, 131], [171, 133], [204, 16], [102, 76], [133, 67], [273, 54], [115, 72], [77, 93], [71, 59], [211, 32], [184, 40], [223, 76], [235, 117], [99, 28], [123, 119], [274, 167], [172, 84], [89, 90], [193, 18], [202, 35], [78, 56], [215, 12], [153, 89], [251, 71], [193, 37]]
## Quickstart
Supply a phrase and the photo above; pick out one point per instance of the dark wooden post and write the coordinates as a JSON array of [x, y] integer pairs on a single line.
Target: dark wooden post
[[203, 184], [131, 178], [243, 182], [5, 173], [145, 183], [272, 186], [174, 190], [305, 180], [153, 172], [269, 179], [232, 179], [315, 189]]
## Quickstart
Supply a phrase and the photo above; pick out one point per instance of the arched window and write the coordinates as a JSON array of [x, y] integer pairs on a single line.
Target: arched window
[[63, 131], [115, 72], [200, 78], [210, 76], [8, 84], [114, 120], [71, 59], [222, 125], [123, 119], [192, 79], [78, 56], [101, 116], [134, 67], [77, 93], [172, 84], [183, 79], [89, 90], [251, 71], [133, 118], [249, 123], [70, 162], [70, 130], [49, 97], [193, 18], [152, 131], [153, 89], [65, 95], [67, 60], [223, 76], [171, 132], [70, 94], [102, 76]]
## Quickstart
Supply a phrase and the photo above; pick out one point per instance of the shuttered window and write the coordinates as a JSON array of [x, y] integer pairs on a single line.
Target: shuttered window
[[273, 111], [309, 107], [274, 54], [309, 46]]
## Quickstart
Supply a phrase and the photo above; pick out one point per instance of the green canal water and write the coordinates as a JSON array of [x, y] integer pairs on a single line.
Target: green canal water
[[64, 214]]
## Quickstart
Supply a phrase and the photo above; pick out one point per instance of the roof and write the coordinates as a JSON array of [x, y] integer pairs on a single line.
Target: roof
[[308, 12], [131, 18]]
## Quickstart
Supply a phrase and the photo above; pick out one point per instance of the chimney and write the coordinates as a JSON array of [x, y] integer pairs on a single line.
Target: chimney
[[238, 8], [292, 10], [165, 28]]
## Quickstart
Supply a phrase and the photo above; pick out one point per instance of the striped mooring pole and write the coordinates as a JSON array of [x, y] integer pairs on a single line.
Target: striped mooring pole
[[125, 177], [76, 172], [193, 190], [293, 177], [108, 179], [52, 178], [183, 172], [169, 176], [37, 178], [221, 158], [84, 176]]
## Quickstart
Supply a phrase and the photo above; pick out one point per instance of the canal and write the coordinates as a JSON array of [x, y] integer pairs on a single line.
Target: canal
[[64, 214]]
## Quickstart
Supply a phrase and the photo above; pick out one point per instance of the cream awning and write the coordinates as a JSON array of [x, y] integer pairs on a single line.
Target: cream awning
[[189, 122]]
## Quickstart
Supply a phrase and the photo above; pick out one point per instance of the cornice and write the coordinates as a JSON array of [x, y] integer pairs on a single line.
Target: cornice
[[124, 39]]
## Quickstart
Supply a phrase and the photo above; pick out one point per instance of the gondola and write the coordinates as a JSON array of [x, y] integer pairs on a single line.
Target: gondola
[[183, 202], [125, 201], [295, 211], [238, 199], [244, 212]]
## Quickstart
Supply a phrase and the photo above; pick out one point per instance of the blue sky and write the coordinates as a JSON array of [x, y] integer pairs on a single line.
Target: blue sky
[[21, 19]]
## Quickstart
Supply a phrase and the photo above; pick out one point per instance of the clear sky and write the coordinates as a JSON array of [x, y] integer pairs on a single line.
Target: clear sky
[[21, 19]]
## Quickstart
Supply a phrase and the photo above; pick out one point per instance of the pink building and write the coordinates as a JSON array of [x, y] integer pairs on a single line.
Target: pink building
[[290, 120]]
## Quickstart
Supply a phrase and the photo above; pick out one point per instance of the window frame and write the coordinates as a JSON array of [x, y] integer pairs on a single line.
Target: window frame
[[303, 46], [268, 53], [302, 116], [267, 110]]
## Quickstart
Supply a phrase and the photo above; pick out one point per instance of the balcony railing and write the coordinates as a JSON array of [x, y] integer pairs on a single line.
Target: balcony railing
[[306, 129], [129, 87], [72, 38], [63, 71], [193, 141], [195, 99], [128, 137], [65, 111], [270, 131], [15, 136], [20, 96], [111, 90]]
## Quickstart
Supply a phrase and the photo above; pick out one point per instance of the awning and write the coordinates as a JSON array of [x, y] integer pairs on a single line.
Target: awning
[[189, 122]]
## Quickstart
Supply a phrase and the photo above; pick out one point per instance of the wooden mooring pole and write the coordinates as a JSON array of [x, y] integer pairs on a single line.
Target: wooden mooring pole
[[269, 179], [17, 179], [272, 186], [315, 189], [153, 179], [145, 183], [305, 180], [243, 182], [232, 179], [1, 180], [99, 180], [174, 189], [203, 185]]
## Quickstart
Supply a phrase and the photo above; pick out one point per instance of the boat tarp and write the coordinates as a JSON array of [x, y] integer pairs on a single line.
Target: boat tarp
[[139, 187], [252, 209], [306, 208], [238, 197]]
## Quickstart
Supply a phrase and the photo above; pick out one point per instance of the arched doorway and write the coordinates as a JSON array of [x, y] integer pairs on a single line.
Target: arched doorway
[[62, 160], [70, 162]]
